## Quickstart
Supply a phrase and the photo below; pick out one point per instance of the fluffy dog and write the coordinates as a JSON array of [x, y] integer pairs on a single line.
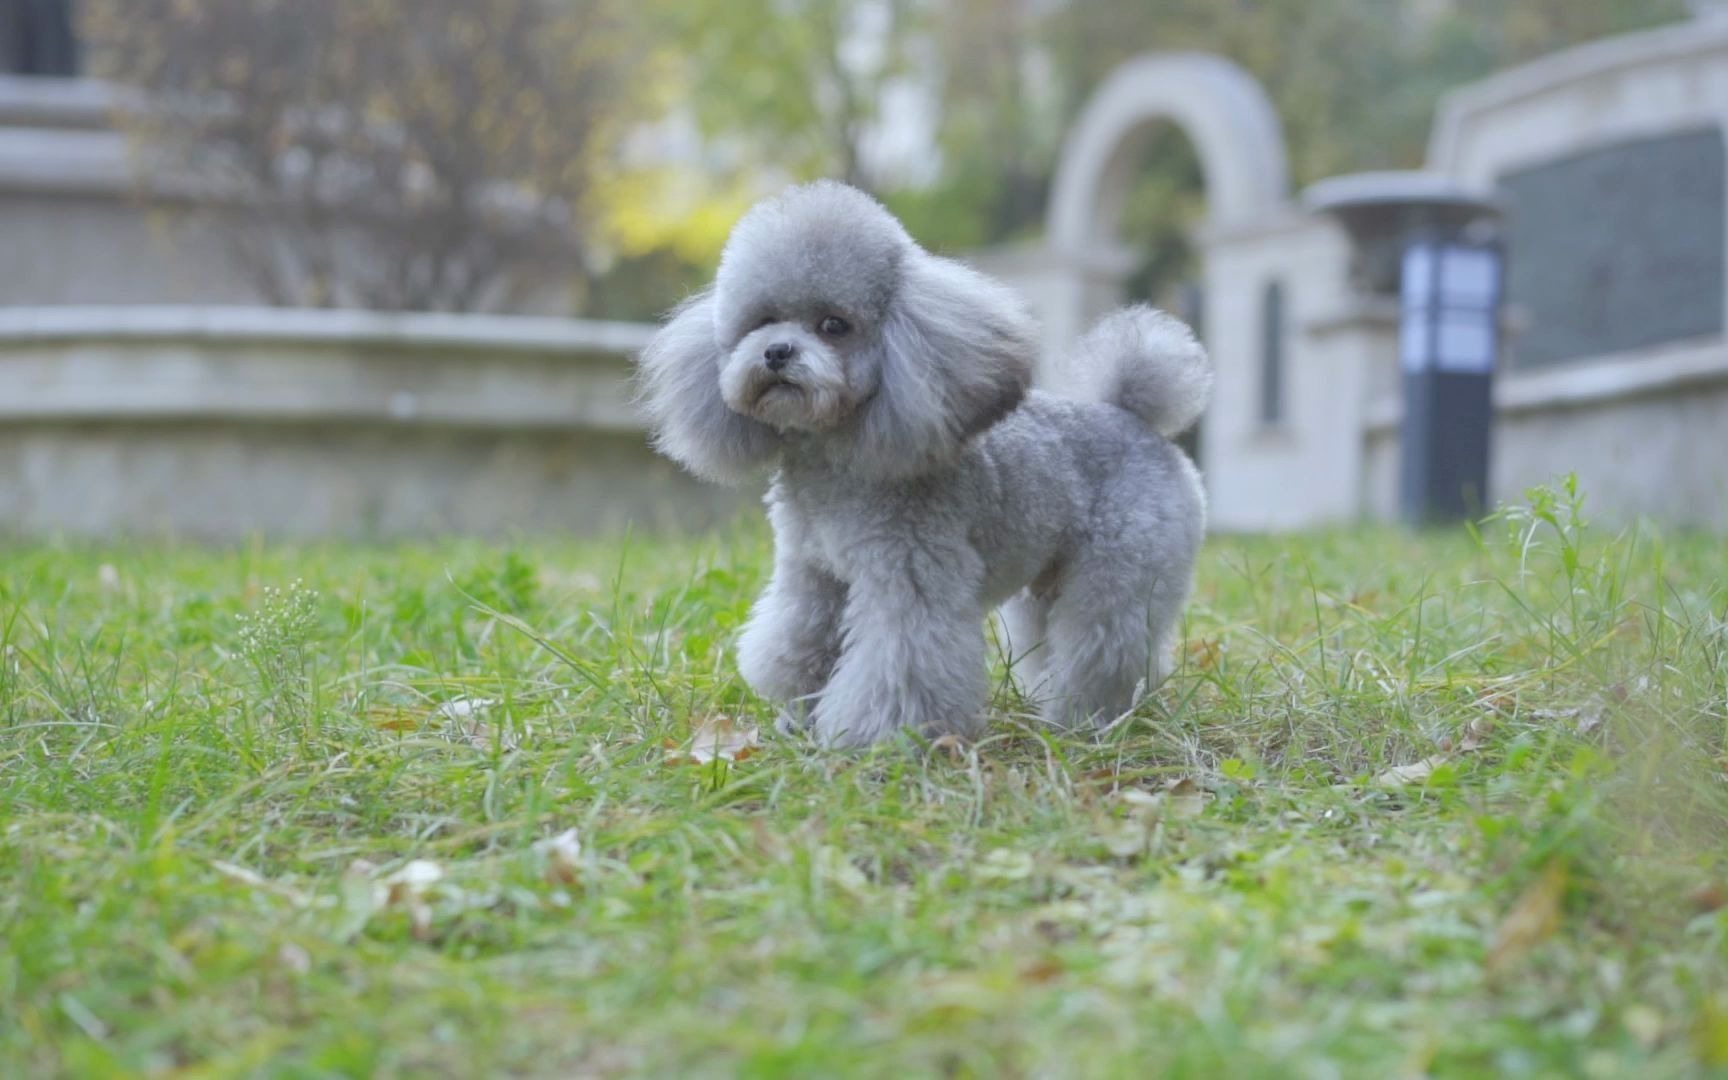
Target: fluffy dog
[[918, 481]]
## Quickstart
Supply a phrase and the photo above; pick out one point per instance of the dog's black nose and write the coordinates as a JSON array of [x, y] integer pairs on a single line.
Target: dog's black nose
[[777, 355]]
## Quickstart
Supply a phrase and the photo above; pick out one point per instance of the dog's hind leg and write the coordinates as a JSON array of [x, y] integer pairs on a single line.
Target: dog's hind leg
[[1109, 632]]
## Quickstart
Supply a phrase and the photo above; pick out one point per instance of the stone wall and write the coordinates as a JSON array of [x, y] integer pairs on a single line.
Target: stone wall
[[220, 423], [1646, 433], [1626, 383]]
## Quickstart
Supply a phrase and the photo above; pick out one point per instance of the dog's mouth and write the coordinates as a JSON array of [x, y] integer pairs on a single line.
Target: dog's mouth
[[773, 386]]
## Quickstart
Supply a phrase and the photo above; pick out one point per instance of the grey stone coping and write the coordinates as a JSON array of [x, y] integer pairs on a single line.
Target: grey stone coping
[[227, 365], [57, 136], [505, 333], [35, 101], [1672, 43], [1668, 370], [1394, 187], [63, 162]]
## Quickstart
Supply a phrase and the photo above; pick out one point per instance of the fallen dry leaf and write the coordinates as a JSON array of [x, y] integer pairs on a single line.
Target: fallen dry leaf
[[254, 879], [240, 874], [1708, 897], [1104, 778], [1139, 798], [464, 707], [1532, 919], [293, 959], [1147, 813], [406, 889], [465, 721], [720, 738], [1005, 864], [393, 718], [1476, 734], [1179, 798], [1186, 798], [411, 879], [1495, 700], [1644, 1024], [358, 900], [835, 867], [1044, 970], [1204, 653], [1417, 773], [951, 745], [563, 855], [479, 736]]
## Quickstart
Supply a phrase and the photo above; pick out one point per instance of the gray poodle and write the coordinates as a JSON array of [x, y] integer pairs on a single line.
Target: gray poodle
[[918, 481]]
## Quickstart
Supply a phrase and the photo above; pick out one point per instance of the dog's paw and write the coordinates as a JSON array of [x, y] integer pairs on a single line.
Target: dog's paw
[[788, 726], [793, 721], [841, 729]]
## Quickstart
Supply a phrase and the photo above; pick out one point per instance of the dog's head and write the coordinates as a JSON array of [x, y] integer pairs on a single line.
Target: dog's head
[[829, 327]]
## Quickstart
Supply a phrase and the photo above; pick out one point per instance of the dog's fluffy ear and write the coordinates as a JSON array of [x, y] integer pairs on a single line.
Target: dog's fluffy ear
[[678, 382], [957, 355]]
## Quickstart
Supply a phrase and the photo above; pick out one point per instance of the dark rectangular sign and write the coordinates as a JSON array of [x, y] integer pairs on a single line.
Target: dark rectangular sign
[[1617, 248]]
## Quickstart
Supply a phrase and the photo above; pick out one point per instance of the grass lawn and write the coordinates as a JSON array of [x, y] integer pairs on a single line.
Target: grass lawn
[[1413, 804]]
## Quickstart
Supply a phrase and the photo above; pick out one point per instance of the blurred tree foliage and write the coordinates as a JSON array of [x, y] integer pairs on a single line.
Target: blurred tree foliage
[[400, 154], [499, 144], [792, 85], [1355, 83]]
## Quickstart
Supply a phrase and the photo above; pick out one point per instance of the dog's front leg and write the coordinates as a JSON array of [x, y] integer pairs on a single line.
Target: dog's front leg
[[792, 639], [913, 655]]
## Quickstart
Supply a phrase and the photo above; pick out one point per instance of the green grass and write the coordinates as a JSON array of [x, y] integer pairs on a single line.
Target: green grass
[[208, 775]]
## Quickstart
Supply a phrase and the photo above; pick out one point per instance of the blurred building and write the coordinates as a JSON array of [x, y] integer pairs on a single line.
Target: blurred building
[[1608, 161], [73, 226], [139, 391], [143, 391]]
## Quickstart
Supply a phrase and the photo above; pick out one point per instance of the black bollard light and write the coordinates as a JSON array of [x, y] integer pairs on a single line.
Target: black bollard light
[[1420, 239], [1449, 331]]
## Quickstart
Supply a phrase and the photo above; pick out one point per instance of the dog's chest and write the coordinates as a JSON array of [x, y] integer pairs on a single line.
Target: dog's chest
[[842, 526]]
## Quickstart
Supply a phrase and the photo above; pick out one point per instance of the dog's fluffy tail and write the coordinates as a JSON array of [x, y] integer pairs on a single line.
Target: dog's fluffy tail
[[1147, 362]]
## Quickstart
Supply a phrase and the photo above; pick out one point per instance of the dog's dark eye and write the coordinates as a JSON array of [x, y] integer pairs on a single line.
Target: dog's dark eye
[[833, 326]]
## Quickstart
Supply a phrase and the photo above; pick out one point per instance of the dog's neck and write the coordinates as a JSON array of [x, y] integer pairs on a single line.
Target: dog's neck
[[809, 462]]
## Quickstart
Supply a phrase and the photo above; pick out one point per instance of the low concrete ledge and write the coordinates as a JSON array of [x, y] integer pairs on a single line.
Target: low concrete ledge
[[221, 423], [509, 333], [471, 371], [38, 101]]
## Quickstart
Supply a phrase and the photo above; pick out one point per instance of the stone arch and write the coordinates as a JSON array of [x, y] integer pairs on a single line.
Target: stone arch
[[1223, 111]]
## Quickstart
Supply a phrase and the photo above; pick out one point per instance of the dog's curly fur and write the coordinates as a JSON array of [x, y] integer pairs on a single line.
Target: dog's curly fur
[[919, 481]]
